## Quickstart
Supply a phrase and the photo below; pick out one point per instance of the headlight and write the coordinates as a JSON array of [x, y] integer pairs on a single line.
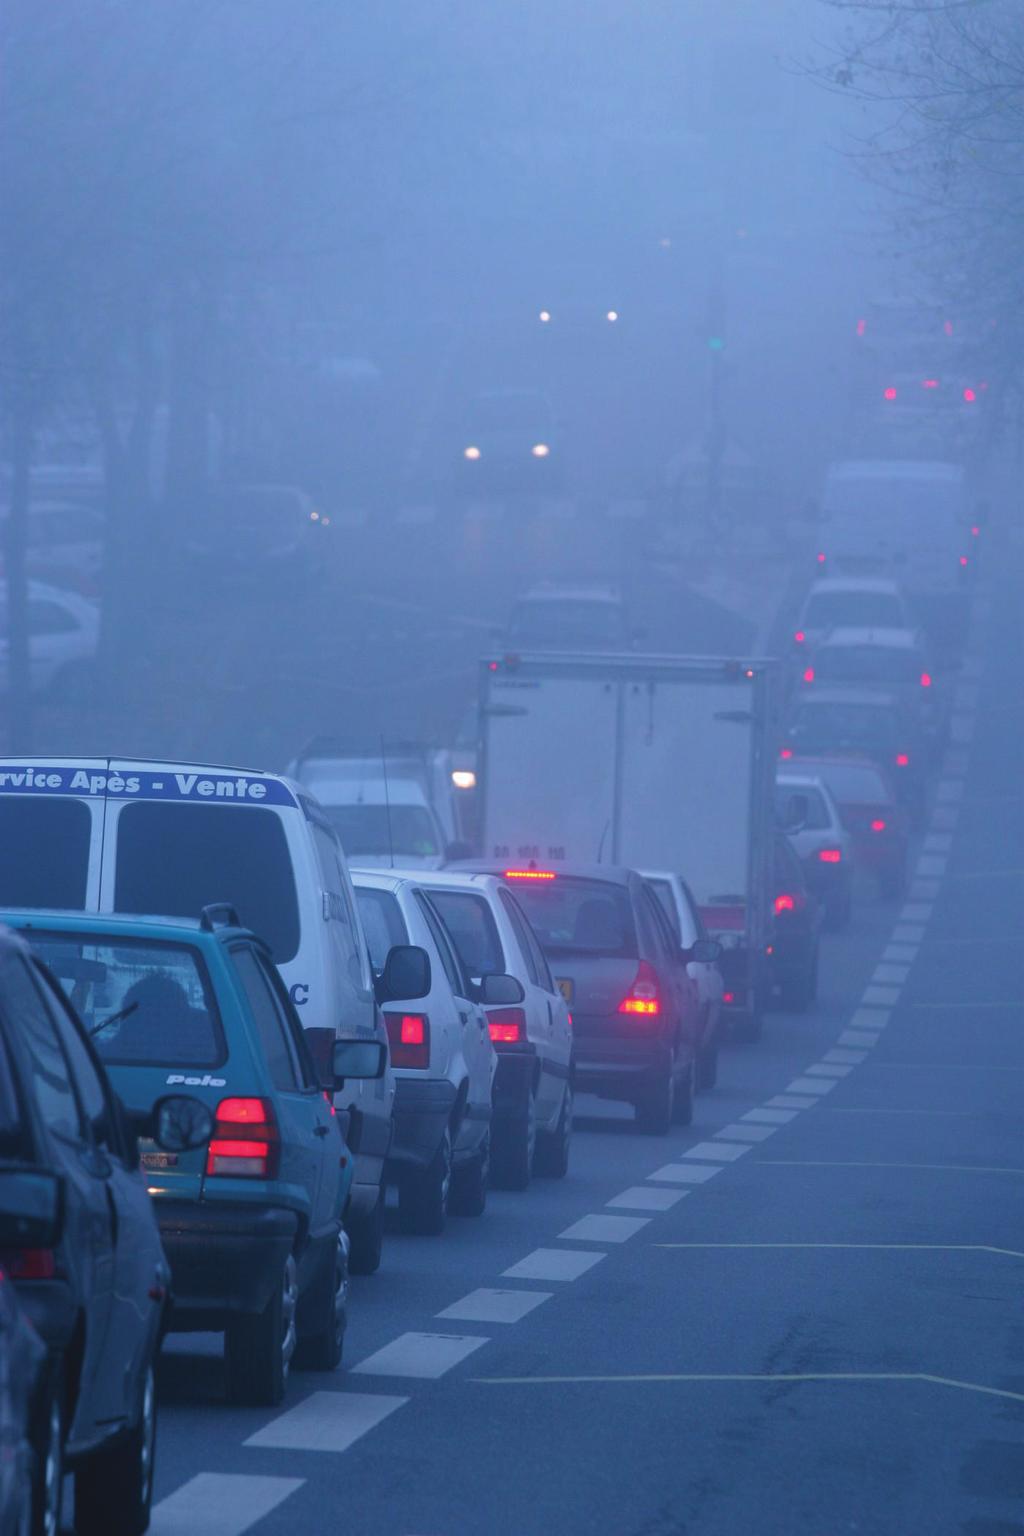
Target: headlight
[[540, 450], [471, 453]]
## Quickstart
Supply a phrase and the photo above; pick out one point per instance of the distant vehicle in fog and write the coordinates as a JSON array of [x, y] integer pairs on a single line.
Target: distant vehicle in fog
[[552, 617], [509, 443], [380, 807], [65, 546], [851, 602], [862, 722], [893, 659], [870, 813], [807, 813], [257, 535], [797, 914], [63, 637]]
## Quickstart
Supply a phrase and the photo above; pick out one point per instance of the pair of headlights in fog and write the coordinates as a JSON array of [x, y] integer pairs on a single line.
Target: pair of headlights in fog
[[539, 451]]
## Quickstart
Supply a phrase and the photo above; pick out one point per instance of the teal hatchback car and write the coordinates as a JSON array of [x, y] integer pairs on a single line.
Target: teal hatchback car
[[252, 1221]]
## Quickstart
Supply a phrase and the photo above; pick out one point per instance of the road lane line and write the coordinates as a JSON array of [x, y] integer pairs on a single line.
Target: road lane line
[[885, 996], [643, 1197], [916, 912], [687, 1173], [220, 1504], [748, 1132], [891, 973], [870, 1018], [914, 1377], [903, 952], [552, 1264], [422, 1355], [326, 1421], [716, 1151], [908, 933], [924, 889], [790, 1162], [1010, 1253], [851, 1058], [810, 1085], [603, 1229], [791, 1101], [770, 1116], [858, 1037], [488, 1305], [829, 1069], [1015, 1003]]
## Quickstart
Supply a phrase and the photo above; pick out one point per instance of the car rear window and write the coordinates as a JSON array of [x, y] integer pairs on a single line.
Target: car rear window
[[583, 917], [372, 829], [566, 624], [832, 725], [472, 929], [850, 782], [382, 921], [854, 610], [143, 1003], [45, 852], [885, 664], [177, 859]]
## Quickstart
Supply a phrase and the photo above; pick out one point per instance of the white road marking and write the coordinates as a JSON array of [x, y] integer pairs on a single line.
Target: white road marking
[[603, 1229], [857, 1037], [908, 933], [924, 890], [686, 1173], [325, 1421], [220, 1504], [938, 842], [950, 789], [809, 1085], [885, 996], [916, 912], [552, 1264], [891, 973], [487, 1305], [720, 1151], [932, 864], [870, 1018], [642, 1197], [770, 1116], [790, 1101], [740, 1132], [946, 816], [423, 1355], [905, 952], [828, 1069], [852, 1057]]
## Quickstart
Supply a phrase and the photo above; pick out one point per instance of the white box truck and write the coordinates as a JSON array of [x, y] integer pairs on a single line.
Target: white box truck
[[651, 762]]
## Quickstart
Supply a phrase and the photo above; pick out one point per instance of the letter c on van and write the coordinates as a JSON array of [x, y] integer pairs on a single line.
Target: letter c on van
[[299, 993]]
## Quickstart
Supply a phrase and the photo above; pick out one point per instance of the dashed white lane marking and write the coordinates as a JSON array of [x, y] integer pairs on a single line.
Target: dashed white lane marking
[[932, 864], [891, 973], [644, 1197], [422, 1355], [552, 1264], [770, 1116], [961, 728], [916, 912], [828, 1069], [884, 996], [857, 1037], [716, 1151], [925, 890], [604, 1229], [687, 1173], [870, 1018], [790, 1101], [220, 1504], [853, 1058], [950, 789], [748, 1132], [904, 952], [326, 1421], [938, 842], [488, 1305], [908, 933], [809, 1085], [946, 816]]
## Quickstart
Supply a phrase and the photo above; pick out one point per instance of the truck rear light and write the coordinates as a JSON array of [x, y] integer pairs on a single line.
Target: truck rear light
[[30, 1263], [507, 1026], [785, 753], [529, 874], [809, 675], [409, 1039], [830, 855], [244, 1144], [902, 759], [785, 903], [926, 679], [799, 637], [642, 997], [878, 825]]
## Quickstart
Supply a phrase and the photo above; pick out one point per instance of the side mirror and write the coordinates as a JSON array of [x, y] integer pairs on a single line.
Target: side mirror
[[705, 951], [406, 974], [357, 1058], [459, 849], [31, 1208], [496, 990], [181, 1124]]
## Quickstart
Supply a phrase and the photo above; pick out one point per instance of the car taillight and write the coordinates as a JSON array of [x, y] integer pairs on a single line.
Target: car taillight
[[507, 1026], [785, 903], [902, 759], [29, 1263], [830, 855], [878, 825], [409, 1039], [809, 675], [642, 997], [799, 637], [244, 1144], [821, 557], [785, 752], [926, 679], [963, 560]]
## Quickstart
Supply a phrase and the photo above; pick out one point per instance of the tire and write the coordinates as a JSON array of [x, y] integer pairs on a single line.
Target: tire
[[321, 1349], [513, 1148], [49, 1431], [682, 1106], [551, 1156], [470, 1183], [366, 1239], [259, 1348], [655, 1111], [423, 1196], [114, 1488], [707, 1065]]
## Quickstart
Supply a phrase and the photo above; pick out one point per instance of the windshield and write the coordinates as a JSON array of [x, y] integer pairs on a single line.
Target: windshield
[[850, 782], [376, 830], [143, 1003], [854, 610], [834, 725], [887, 665], [581, 917]]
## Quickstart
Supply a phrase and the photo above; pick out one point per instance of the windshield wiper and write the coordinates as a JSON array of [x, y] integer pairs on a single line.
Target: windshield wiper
[[115, 1018]]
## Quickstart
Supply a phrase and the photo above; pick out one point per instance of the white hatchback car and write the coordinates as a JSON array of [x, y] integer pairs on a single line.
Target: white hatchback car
[[850, 602], [63, 631], [533, 1089], [677, 902], [443, 1060]]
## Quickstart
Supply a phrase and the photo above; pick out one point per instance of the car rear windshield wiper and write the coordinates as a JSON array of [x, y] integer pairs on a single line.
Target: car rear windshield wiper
[[114, 1018]]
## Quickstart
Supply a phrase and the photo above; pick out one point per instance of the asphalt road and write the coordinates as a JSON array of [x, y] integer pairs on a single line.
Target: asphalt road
[[802, 1314]]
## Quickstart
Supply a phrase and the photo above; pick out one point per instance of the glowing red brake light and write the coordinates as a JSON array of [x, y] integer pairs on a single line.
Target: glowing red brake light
[[963, 559], [799, 637], [878, 825], [785, 903], [244, 1144], [830, 855], [642, 997], [809, 675], [529, 874], [785, 752], [929, 383], [409, 1039], [890, 392], [970, 396], [30, 1263], [902, 759], [926, 679], [821, 557], [975, 530], [507, 1026], [728, 997]]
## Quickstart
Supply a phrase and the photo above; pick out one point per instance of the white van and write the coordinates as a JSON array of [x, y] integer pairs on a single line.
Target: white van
[[905, 519], [381, 811], [113, 835]]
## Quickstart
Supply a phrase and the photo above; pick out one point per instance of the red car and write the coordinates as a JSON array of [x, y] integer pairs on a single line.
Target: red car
[[870, 812]]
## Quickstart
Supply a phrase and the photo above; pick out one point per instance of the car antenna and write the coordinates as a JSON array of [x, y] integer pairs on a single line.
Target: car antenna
[[387, 801], [600, 846]]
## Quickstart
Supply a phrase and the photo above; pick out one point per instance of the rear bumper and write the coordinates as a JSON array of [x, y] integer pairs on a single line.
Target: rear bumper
[[618, 1068], [224, 1259], [422, 1110]]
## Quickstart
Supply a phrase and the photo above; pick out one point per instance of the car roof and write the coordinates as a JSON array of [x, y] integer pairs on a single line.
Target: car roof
[[381, 879], [891, 639], [855, 584], [811, 780], [169, 929], [612, 874], [838, 695]]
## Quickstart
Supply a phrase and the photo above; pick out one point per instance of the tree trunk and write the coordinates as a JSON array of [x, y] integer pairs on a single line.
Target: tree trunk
[[19, 680]]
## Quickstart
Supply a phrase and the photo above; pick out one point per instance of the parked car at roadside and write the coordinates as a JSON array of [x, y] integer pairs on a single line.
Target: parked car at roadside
[[807, 813], [63, 634]]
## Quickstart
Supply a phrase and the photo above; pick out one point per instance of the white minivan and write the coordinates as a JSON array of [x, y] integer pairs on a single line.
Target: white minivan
[[122, 835]]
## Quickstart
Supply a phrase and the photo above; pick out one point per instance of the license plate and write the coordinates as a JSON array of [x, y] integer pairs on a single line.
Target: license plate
[[565, 987], [159, 1159]]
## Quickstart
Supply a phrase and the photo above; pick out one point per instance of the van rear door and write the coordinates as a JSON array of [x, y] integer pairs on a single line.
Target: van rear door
[[51, 832]]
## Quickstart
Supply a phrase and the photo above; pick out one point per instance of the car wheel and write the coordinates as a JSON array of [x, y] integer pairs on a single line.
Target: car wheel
[[366, 1239], [682, 1106], [470, 1183], [48, 1436], [551, 1159], [513, 1149], [423, 1196], [655, 1110], [707, 1065], [259, 1349], [321, 1349], [114, 1488]]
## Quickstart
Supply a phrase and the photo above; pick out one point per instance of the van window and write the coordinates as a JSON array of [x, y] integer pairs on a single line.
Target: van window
[[373, 831], [382, 921], [176, 859], [45, 846]]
